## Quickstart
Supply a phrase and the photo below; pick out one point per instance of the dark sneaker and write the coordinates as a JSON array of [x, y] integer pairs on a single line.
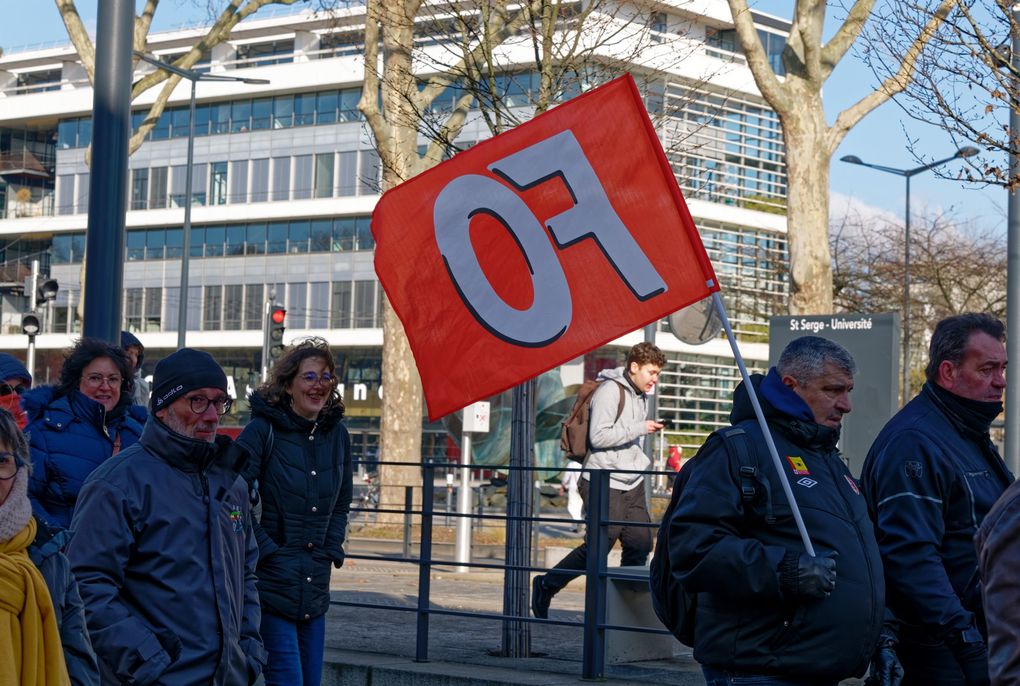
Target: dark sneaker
[[540, 598]]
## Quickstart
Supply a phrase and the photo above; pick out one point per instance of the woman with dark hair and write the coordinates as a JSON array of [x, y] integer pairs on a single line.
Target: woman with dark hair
[[38, 593], [76, 425], [299, 454]]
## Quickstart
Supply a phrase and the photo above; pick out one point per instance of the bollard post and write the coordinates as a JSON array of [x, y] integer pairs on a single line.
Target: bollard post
[[593, 658], [421, 651], [463, 549]]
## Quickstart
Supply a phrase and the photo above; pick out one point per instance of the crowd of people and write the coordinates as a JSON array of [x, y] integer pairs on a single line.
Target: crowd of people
[[112, 511], [116, 503]]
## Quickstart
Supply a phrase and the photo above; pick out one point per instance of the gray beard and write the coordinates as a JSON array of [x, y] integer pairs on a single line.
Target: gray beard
[[177, 426]]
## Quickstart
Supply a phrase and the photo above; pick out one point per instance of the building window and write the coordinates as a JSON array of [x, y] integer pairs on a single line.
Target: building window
[[318, 307], [218, 183], [277, 234], [82, 204], [303, 171], [139, 189], [157, 188], [321, 235], [261, 114], [253, 302], [212, 308], [348, 173], [281, 178], [239, 181], [65, 194], [255, 240], [364, 304], [155, 244], [340, 306], [260, 180], [264, 54], [324, 175], [297, 241], [199, 183], [368, 182], [178, 184], [232, 307], [153, 309], [297, 305], [133, 309]]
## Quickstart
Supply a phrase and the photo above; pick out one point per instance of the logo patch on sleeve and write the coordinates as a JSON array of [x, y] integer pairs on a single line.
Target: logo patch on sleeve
[[807, 483], [798, 466], [913, 469], [236, 520]]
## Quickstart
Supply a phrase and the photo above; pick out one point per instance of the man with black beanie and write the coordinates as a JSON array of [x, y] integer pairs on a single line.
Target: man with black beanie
[[163, 549], [930, 478]]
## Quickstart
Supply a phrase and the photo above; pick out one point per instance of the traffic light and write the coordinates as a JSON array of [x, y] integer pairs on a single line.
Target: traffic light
[[39, 292], [30, 324], [274, 331]]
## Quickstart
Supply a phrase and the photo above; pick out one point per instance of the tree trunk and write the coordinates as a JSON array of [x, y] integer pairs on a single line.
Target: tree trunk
[[807, 168]]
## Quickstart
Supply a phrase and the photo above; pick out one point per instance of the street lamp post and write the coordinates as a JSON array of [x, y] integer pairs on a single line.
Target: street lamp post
[[194, 77], [907, 174]]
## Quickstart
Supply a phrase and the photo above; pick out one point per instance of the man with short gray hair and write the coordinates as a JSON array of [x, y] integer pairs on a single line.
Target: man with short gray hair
[[765, 608], [930, 478]]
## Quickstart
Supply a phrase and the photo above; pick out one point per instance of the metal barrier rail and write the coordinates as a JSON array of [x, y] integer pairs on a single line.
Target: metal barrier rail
[[597, 574]]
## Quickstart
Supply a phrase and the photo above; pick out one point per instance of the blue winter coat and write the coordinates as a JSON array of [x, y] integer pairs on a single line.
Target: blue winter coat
[[46, 554], [929, 485], [68, 439], [165, 560], [305, 483]]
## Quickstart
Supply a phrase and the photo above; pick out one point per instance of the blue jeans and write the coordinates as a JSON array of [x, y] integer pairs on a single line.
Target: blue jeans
[[295, 650], [717, 677]]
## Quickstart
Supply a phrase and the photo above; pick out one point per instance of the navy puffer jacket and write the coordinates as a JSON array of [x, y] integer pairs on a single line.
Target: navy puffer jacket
[[69, 436], [305, 485]]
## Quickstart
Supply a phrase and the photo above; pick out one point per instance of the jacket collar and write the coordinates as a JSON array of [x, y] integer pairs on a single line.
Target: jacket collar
[[186, 454]]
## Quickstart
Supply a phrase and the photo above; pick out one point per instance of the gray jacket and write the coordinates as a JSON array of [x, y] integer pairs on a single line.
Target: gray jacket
[[616, 443]]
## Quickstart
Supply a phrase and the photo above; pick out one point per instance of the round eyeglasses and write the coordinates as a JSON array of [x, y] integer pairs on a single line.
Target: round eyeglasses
[[96, 380], [311, 378], [9, 465], [200, 403]]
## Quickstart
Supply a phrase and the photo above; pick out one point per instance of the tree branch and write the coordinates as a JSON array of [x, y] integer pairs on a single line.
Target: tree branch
[[757, 61], [846, 35]]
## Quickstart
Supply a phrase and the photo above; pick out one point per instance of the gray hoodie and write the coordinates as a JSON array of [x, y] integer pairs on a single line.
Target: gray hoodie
[[617, 444]]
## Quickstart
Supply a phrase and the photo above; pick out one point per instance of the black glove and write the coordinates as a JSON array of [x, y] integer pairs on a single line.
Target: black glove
[[970, 651], [801, 575], [886, 669]]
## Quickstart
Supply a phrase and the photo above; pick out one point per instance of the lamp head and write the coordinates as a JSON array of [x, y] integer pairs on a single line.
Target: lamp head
[[852, 159], [967, 151]]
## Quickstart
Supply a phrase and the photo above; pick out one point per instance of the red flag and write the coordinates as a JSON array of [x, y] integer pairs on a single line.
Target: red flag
[[536, 246]]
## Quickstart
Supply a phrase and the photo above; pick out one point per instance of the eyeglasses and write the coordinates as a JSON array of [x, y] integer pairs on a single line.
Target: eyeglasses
[[8, 466], [96, 380], [200, 403], [7, 389], [311, 378]]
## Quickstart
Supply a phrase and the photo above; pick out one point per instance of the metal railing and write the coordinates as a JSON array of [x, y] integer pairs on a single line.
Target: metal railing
[[597, 575]]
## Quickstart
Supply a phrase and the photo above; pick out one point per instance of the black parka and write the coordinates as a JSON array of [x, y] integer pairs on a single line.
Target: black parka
[[305, 483], [727, 552]]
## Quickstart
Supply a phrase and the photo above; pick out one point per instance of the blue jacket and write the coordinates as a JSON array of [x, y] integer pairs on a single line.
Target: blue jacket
[[727, 549], [929, 485], [68, 439], [46, 554], [306, 485], [165, 560]]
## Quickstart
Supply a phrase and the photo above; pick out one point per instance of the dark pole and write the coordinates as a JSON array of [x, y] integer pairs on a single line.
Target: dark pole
[[1012, 419], [906, 297], [517, 634], [182, 305], [111, 128]]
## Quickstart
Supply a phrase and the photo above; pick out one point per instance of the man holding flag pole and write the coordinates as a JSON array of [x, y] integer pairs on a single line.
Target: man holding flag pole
[[771, 605]]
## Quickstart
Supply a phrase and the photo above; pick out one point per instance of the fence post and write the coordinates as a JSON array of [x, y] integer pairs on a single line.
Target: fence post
[[408, 506], [593, 659], [421, 653]]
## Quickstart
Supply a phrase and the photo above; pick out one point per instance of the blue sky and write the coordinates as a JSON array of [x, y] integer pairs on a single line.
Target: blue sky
[[881, 138]]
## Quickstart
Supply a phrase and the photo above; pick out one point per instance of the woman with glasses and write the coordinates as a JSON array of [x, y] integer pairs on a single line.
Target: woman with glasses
[[38, 595], [77, 425], [299, 457]]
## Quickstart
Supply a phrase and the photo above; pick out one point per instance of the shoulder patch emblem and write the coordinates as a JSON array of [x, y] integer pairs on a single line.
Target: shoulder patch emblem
[[913, 469], [807, 483], [797, 465], [853, 484]]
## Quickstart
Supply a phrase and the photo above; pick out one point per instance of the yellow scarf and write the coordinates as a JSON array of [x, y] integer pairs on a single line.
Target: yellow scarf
[[30, 650]]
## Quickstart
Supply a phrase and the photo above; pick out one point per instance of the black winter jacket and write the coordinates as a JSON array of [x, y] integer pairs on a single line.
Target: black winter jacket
[[724, 550], [305, 486], [165, 560], [928, 487]]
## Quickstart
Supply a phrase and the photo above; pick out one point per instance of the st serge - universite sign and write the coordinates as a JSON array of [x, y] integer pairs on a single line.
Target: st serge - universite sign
[[536, 246]]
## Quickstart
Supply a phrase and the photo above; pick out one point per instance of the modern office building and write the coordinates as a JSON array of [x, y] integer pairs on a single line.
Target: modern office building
[[285, 179]]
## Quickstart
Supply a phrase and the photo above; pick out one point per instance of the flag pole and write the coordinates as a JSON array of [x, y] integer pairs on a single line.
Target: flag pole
[[717, 301]]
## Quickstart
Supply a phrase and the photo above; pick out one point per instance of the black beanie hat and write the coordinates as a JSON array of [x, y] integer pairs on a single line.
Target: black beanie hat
[[183, 371]]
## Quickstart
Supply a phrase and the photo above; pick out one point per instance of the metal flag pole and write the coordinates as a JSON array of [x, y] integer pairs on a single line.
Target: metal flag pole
[[717, 301]]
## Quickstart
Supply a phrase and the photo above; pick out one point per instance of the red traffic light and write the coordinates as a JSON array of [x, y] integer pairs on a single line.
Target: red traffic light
[[278, 315]]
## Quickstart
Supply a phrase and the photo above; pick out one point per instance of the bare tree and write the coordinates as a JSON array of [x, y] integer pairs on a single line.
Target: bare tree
[[810, 140], [953, 269], [965, 83]]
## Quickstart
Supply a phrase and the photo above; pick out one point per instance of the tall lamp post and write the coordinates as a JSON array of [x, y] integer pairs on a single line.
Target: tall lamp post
[[907, 174], [194, 77]]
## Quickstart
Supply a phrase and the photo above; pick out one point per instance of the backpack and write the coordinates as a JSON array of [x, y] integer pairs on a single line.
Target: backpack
[[673, 605], [574, 432]]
